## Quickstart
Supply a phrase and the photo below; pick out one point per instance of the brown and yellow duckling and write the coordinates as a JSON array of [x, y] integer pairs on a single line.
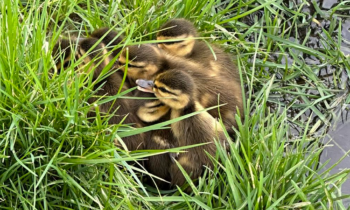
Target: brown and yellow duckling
[[95, 58], [178, 90]]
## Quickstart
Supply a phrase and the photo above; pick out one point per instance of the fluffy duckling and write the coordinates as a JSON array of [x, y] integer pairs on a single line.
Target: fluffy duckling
[[97, 60], [147, 61], [178, 90], [197, 50]]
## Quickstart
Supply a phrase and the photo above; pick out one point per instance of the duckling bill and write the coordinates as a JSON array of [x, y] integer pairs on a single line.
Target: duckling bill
[[145, 85]]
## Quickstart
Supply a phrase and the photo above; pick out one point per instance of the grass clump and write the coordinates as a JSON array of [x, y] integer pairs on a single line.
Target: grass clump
[[53, 157]]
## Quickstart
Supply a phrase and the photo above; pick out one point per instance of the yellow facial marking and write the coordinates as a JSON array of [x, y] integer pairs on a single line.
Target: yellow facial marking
[[151, 70], [122, 59], [64, 61], [138, 70], [177, 100]]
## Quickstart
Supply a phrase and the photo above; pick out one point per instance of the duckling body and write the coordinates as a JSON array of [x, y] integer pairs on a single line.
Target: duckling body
[[95, 58], [147, 61], [178, 90]]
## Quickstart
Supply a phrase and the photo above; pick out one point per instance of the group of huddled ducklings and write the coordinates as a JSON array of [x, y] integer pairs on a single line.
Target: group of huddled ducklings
[[185, 76]]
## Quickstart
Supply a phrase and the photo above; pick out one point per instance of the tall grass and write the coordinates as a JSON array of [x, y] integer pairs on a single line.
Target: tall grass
[[52, 156]]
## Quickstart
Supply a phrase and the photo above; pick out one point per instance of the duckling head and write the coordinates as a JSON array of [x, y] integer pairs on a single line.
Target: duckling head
[[177, 29], [174, 88], [144, 61]]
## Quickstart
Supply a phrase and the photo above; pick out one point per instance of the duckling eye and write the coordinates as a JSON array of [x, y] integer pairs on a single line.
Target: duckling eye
[[129, 65], [171, 43], [133, 66], [66, 65], [163, 90]]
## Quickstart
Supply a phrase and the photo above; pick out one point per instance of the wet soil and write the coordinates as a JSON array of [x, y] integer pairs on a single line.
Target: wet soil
[[338, 137], [320, 15], [337, 144]]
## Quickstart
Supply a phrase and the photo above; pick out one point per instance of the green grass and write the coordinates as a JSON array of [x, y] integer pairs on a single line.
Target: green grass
[[52, 157]]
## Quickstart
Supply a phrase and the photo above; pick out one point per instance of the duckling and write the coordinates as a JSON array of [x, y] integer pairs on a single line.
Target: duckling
[[147, 61], [97, 60], [195, 49], [178, 89]]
